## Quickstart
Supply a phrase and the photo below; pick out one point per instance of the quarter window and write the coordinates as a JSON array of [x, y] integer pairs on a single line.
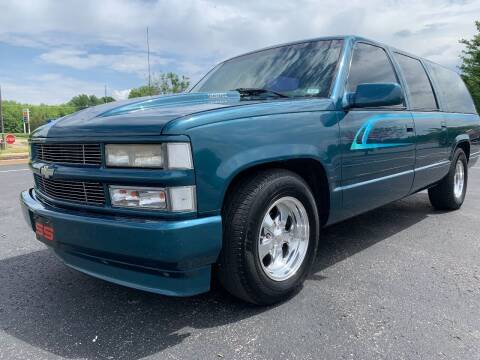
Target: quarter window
[[370, 64], [419, 86], [454, 94]]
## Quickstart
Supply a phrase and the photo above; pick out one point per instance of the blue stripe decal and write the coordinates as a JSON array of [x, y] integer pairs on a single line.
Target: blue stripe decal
[[368, 126]]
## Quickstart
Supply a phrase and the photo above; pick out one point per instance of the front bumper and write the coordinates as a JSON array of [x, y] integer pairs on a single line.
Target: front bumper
[[165, 257]]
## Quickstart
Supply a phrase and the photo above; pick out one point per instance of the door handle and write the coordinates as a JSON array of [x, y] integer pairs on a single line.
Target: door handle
[[409, 128], [444, 124]]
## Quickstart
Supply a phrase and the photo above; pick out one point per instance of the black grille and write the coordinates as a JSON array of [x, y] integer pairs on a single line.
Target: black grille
[[86, 193], [84, 154]]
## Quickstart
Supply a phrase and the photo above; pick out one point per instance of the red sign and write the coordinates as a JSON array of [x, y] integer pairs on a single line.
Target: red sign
[[10, 139]]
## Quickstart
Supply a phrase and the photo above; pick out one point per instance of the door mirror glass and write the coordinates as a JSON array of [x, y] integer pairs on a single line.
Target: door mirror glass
[[375, 95]]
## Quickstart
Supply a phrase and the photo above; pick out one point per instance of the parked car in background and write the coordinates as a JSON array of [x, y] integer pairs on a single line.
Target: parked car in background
[[237, 177]]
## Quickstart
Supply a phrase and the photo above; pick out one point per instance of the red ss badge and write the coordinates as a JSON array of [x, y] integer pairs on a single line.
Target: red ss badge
[[43, 231]]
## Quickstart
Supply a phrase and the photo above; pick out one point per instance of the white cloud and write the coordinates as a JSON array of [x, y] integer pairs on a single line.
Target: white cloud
[[200, 30], [121, 94], [192, 35], [47, 89], [82, 60]]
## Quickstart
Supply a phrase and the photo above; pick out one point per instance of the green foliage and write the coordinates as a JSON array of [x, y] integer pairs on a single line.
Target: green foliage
[[83, 101], [171, 83], [40, 114], [106, 99], [143, 91], [471, 65], [12, 116], [165, 83]]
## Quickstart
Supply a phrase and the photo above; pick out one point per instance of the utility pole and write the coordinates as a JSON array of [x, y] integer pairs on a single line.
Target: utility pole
[[148, 61], [4, 144], [105, 96]]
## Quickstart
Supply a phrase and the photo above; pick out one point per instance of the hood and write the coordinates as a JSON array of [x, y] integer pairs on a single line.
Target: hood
[[140, 116]]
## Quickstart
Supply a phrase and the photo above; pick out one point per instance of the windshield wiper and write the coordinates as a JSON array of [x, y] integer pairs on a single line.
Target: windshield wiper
[[259, 91]]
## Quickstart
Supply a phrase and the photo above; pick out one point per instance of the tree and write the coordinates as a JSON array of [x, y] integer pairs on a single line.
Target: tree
[[171, 83], [12, 116], [106, 99], [83, 101], [470, 66], [165, 83], [143, 91], [40, 114]]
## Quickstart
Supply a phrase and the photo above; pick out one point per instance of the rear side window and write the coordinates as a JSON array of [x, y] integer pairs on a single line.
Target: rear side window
[[370, 64], [419, 87], [452, 89]]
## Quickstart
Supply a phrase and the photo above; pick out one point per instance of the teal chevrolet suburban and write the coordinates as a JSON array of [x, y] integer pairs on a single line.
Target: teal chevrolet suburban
[[235, 178]]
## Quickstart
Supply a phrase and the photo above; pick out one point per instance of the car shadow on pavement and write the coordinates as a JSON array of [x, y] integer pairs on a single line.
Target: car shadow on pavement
[[66, 313], [345, 239]]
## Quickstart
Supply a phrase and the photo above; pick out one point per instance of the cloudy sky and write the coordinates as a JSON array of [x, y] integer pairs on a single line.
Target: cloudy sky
[[53, 50]]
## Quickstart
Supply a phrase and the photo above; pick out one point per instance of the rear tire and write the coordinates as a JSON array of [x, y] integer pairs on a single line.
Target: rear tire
[[449, 193], [271, 230]]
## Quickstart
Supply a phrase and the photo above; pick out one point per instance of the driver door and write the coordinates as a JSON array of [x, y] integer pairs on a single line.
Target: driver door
[[378, 144]]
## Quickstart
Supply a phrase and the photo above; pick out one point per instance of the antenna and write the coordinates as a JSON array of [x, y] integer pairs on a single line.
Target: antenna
[[148, 61]]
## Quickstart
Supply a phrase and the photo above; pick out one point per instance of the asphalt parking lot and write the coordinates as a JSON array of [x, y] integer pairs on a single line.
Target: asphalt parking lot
[[401, 282]]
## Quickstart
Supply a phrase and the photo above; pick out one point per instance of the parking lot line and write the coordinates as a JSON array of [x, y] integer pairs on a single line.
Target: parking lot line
[[13, 170]]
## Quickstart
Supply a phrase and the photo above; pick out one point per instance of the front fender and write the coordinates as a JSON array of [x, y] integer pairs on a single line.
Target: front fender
[[266, 154], [224, 149]]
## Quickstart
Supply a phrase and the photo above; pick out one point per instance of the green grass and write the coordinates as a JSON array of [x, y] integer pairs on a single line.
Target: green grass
[[15, 150], [20, 146], [21, 135], [18, 135]]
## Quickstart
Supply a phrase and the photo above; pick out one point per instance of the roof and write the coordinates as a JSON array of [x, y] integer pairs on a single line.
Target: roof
[[342, 37]]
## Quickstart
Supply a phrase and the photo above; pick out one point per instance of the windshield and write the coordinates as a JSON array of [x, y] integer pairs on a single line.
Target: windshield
[[299, 70]]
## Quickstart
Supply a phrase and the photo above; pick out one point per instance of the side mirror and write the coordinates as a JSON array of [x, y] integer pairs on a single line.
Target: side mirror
[[374, 95]]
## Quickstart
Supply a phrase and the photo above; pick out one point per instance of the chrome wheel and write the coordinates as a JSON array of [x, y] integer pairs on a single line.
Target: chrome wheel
[[459, 179], [283, 238]]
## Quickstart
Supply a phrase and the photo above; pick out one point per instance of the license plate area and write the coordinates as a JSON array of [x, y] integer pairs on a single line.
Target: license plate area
[[44, 230]]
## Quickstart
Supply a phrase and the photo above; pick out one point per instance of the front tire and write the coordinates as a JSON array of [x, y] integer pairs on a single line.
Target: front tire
[[449, 193], [271, 230]]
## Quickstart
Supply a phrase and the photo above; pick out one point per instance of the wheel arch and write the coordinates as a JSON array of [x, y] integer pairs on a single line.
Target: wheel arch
[[462, 142], [309, 169]]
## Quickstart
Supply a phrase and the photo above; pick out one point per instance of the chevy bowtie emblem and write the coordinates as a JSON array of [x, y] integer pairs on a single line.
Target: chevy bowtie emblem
[[47, 171]]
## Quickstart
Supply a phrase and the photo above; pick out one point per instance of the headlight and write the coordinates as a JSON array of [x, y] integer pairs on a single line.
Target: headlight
[[180, 198], [168, 155]]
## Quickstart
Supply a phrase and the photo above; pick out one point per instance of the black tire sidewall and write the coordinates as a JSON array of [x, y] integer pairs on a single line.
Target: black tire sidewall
[[276, 189]]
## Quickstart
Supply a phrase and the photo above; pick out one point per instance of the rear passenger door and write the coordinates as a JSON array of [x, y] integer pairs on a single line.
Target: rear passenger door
[[458, 109], [432, 148], [378, 143]]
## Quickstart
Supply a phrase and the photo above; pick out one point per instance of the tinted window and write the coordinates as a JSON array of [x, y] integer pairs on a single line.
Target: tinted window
[[453, 92], [370, 64], [305, 69], [419, 87]]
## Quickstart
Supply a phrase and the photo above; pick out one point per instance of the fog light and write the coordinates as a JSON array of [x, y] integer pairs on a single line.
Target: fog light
[[180, 198], [138, 197]]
